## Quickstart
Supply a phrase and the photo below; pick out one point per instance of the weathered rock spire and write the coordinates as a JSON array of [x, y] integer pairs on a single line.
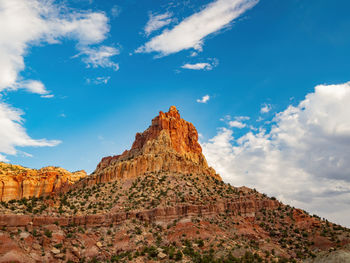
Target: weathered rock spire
[[170, 144]]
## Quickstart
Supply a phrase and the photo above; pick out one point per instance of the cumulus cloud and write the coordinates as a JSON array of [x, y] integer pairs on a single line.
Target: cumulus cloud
[[156, 22], [303, 159], [190, 33], [204, 99], [12, 133], [37, 22], [237, 124]]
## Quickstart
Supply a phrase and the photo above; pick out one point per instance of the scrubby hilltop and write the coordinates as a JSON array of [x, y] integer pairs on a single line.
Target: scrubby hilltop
[[159, 201]]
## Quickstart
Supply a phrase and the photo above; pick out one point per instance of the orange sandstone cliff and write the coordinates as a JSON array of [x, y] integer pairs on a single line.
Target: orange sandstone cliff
[[17, 182], [170, 144]]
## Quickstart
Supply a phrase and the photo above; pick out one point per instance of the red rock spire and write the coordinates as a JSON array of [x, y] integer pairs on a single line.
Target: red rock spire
[[184, 136], [170, 144]]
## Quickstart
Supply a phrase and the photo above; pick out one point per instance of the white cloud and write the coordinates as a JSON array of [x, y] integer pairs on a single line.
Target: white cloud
[[204, 99], [156, 22], [34, 86], [304, 159], [49, 96], [34, 23], [237, 124], [190, 33], [242, 118], [99, 57], [265, 108], [98, 80], [198, 66], [12, 133], [203, 65], [237, 121]]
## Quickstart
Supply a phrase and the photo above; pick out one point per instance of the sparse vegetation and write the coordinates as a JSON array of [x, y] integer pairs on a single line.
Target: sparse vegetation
[[196, 237]]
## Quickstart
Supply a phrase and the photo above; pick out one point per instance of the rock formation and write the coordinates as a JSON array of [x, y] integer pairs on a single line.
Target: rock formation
[[17, 182], [170, 144], [169, 206]]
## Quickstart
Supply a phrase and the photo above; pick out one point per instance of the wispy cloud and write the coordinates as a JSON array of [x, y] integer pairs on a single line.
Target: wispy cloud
[[242, 118], [198, 66], [204, 99], [49, 96], [115, 11], [190, 33], [99, 57], [12, 133], [98, 80], [34, 86], [156, 22], [213, 62], [265, 108]]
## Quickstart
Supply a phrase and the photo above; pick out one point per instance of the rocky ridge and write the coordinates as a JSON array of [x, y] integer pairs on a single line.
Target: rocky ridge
[[18, 182]]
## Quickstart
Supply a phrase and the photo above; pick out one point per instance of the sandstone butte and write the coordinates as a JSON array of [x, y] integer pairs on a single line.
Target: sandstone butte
[[160, 193], [17, 182], [170, 144]]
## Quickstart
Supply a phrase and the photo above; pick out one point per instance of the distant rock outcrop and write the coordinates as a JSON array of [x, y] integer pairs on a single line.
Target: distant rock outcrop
[[170, 144], [17, 182]]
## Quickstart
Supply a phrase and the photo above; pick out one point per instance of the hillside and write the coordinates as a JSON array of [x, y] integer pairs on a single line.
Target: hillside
[[160, 201]]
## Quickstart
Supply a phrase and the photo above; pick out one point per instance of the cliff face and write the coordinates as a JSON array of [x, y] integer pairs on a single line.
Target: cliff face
[[17, 182], [170, 144]]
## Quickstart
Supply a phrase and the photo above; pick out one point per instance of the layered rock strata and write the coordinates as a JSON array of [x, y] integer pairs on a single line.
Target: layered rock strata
[[17, 182], [244, 208], [170, 144]]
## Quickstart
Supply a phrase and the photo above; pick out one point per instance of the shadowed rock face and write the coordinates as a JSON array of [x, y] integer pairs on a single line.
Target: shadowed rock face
[[170, 144], [17, 182]]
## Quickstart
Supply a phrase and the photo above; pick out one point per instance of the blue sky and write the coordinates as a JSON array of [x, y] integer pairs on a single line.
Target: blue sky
[[93, 74]]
